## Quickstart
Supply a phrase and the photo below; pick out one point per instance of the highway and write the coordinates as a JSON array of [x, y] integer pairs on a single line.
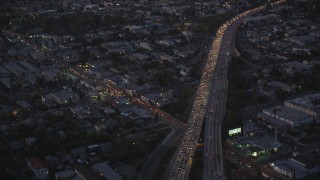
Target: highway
[[209, 106], [216, 107], [152, 163]]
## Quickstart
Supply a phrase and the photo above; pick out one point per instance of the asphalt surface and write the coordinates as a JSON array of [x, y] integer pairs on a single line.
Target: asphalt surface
[[154, 159]]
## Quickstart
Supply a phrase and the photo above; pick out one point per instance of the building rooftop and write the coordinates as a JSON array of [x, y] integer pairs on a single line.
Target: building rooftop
[[106, 171], [290, 166], [255, 149], [284, 112], [20, 67], [141, 112], [310, 101], [67, 172], [308, 163], [4, 72], [36, 162], [264, 142], [85, 173], [251, 127], [310, 160], [272, 120]]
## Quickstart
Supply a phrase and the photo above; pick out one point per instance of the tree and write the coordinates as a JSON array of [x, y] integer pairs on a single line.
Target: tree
[[164, 77], [156, 118], [96, 41], [24, 130], [190, 12], [281, 95]]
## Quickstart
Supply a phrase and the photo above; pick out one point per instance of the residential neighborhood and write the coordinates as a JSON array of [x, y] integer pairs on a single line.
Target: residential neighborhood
[[109, 89]]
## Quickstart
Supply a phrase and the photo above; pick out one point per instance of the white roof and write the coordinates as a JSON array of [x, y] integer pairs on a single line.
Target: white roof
[[105, 170]]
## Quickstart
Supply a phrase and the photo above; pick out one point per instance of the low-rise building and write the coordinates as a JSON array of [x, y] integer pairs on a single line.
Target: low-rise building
[[143, 114], [4, 73], [166, 43], [296, 167], [106, 171], [284, 116], [282, 86], [21, 69], [309, 104], [30, 141], [65, 96], [36, 55], [51, 74], [90, 83], [61, 97], [66, 174], [79, 152], [158, 98], [81, 113], [91, 8], [6, 83], [85, 173], [251, 129], [296, 67], [38, 167], [285, 167]]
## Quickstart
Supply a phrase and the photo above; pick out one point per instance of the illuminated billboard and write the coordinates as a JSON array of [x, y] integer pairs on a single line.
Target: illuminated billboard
[[234, 131]]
